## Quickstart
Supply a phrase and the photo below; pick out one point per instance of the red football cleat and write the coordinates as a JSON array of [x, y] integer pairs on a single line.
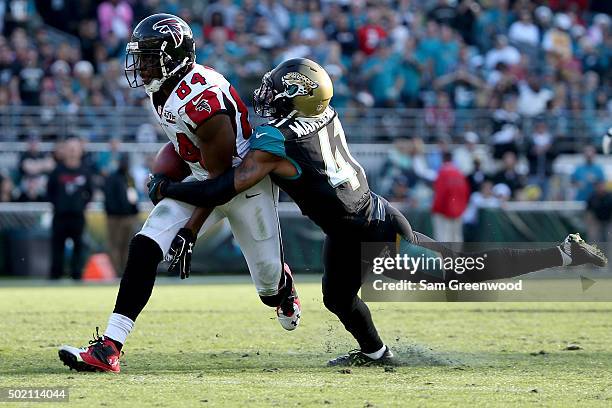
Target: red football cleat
[[289, 312], [101, 355]]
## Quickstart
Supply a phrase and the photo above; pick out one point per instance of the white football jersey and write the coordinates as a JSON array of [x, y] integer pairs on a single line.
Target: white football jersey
[[201, 94]]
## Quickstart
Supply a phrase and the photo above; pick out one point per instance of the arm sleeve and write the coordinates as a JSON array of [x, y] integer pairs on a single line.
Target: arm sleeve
[[204, 193]]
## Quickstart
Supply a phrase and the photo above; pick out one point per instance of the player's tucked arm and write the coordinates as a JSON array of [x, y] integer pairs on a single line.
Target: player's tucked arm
[[255, 166], [215, 137], [216, 142]]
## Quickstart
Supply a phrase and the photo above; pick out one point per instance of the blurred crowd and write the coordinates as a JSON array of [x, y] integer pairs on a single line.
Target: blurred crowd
[[529, 58], [541, 70], [456, 182]]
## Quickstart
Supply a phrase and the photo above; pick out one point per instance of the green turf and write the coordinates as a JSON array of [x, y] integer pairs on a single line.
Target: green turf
[[216, 345]]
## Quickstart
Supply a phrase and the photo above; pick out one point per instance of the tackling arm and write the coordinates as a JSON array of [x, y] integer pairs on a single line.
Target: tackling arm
[[255, 166]]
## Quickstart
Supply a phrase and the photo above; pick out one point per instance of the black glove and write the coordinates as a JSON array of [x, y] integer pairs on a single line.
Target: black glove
[[156, 185], [179, 254]]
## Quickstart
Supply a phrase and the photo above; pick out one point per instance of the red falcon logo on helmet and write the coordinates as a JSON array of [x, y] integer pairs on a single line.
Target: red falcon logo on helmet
[[171, 26]]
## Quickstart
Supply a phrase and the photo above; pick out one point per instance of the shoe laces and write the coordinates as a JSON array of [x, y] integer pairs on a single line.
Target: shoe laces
[[97, 339]]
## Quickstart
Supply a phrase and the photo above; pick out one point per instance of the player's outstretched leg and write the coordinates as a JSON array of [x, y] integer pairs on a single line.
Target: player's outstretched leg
[[505, 263], [103, 352]]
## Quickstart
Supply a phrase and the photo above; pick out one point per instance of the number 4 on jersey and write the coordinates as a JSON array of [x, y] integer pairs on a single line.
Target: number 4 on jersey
[[337, 168]]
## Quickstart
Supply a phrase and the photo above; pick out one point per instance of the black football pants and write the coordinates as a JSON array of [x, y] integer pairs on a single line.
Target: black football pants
[[342, 276]]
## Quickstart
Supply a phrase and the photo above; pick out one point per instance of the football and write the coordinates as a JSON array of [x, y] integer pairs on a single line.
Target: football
[[168, 162]]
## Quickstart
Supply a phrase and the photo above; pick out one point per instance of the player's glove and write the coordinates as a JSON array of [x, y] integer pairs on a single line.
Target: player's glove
[[156, 185], [179, 254]]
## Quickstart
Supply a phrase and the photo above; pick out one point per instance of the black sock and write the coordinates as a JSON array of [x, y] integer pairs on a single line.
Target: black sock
[[139, 276], [357, 319], [283, 292]]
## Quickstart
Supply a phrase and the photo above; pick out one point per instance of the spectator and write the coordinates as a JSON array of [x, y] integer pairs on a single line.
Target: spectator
[[69, 190], [509, 174], [108, 160], [440, 118], [398, 170], [372, 34], [443, 13], [226, 8], [7, 189], [344, 35], [447, 56], [524, 31], [506, 129], [533, 99], [411, 72], [467, 153], [465, 21], [32, 190], [381, 71], [599, 214], [30, 78], [483, 198], [451, 194], [217, 23], [120, 202], [502, 53], [462, 85], [250, 69], [587, 175], [540, 154], [598, 31], [557, 41], [477, 177], [34, 167], [115, 18]]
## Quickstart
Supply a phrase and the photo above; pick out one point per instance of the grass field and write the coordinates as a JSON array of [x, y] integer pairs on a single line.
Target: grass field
[[216, 345]]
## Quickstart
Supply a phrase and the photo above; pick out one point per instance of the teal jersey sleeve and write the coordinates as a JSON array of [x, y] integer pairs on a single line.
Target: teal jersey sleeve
[[269, 139]]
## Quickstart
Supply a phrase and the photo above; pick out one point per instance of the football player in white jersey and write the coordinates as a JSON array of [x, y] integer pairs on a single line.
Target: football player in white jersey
[[203, 116]]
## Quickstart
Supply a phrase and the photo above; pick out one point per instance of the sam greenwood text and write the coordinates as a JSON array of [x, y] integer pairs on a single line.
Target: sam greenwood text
[[423, 285]]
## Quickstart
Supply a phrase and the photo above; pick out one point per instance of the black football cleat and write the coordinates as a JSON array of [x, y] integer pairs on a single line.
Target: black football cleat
[[356, 358], [581, 252]]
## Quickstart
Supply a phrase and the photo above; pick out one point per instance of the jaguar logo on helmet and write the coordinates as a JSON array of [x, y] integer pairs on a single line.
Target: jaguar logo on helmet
[[297, 84], [171, 26]]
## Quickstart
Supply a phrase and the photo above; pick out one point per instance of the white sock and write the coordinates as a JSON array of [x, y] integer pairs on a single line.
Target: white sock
[[377, 354], [118, 327], [565, 257]]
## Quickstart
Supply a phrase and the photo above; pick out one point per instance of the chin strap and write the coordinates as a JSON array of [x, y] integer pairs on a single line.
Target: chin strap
[[156, 84]]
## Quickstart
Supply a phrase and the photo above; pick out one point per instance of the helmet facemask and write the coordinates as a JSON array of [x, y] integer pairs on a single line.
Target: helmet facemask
[[156, 63], [263, 97]]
